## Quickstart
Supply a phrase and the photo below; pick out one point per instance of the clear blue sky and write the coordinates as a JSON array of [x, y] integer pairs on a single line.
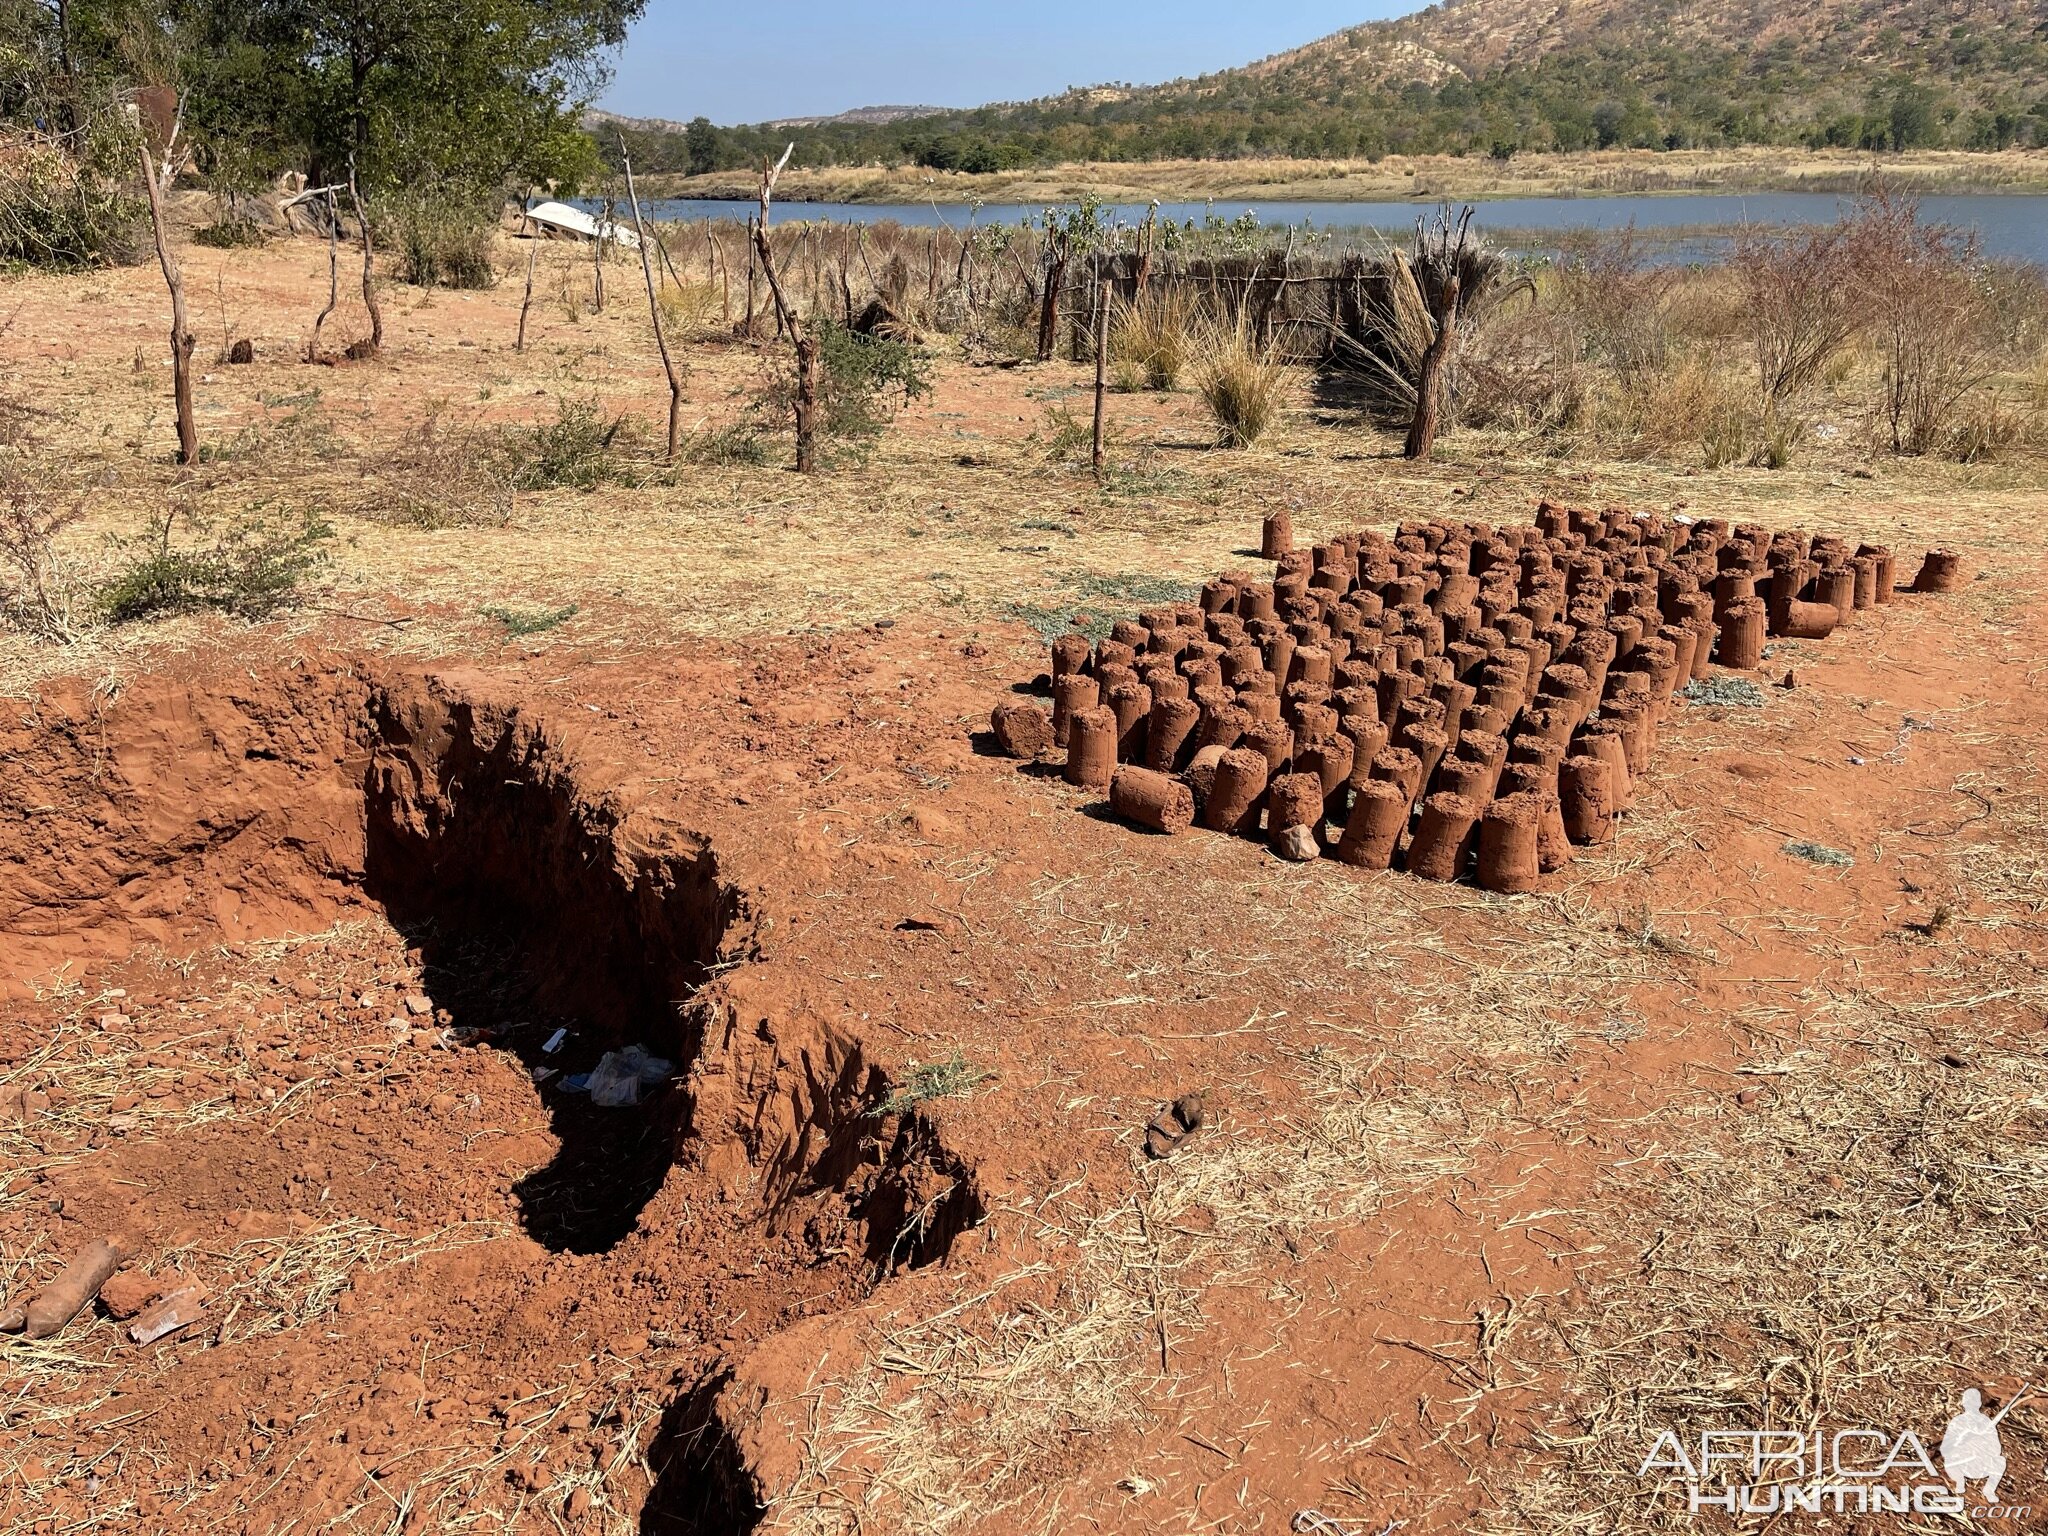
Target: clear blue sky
[[747, 63]]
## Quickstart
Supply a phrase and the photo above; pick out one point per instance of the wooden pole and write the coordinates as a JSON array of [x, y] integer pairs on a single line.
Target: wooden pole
[[806, 345], [355, 199], [1101, 369], [333, 276], [182, 340], [526, 302], [668, 366]]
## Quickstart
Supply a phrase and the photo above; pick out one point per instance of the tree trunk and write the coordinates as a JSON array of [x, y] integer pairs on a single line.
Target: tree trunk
[[369, 268], [1101, 369], [1429, 385], [181, 338], [668, 366], [333, 277], [801, 339], [526, 302], [1049, 310]]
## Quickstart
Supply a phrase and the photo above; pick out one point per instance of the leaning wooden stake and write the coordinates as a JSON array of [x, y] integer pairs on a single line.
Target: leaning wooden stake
[[1101, 368], [355, 200], [182, 340], [668, 366], [1440, 253], [526, 302], [800, 338], [333, 276]]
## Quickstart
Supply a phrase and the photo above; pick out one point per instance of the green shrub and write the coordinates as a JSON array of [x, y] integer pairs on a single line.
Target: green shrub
[[441, 236], [740, 443], [862, 374], [580, 449], [65, 211], [254, 566]]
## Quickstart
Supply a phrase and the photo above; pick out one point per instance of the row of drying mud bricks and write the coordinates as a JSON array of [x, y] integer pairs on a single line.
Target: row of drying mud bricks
[[1456, 699]]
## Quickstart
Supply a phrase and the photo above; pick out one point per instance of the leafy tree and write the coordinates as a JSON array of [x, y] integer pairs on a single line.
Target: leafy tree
[[700, 146]]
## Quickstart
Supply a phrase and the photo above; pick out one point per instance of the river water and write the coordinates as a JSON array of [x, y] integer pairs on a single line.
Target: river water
[[1678, 226]]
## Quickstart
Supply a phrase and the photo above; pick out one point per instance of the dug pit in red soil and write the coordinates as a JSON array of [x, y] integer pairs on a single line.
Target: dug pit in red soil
[[464, 1095]]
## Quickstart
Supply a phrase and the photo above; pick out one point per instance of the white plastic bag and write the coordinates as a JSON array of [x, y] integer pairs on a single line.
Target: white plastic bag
[[619, 1076]]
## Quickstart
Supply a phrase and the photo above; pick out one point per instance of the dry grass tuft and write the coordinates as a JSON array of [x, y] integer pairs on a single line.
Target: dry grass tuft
[[1241, 379]]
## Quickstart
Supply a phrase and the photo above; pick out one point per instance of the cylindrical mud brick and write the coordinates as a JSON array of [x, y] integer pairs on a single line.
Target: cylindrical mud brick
[[1525, 778], [1313, 721], [1510, 856], [1276, 535], [1837, 588], [1602, 739], [1166, 684], [1274, 739], [1217, 596], [1941, 571], [1702, 649], [1242, 661], [1131, 703], [1742, 635], [1114, 653], [1279, 654], [1563, 680], [1865, 569], [1156, 800], [1021, 730], [1125, 632], [1484, 747], [1223, 726], [1588, 805], [1311, 664], [1398, 765], [1547, 720], [1069, 654], [1631, 721], [1378, 817], [1329, 758], [1429, 746], [1170, 733], [1443, 837], [1368, 741], [1091, 747], [1884, 574], [1810, 621], [1255, 602], [1293, 800], [1683, 640], [1262, 706], [1464, 777], [1234, 795], [1200, 774], [1553, 842], [1072, 692]]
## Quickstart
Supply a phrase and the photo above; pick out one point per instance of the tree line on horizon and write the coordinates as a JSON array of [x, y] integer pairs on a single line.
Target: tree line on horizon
[[1964, 90]]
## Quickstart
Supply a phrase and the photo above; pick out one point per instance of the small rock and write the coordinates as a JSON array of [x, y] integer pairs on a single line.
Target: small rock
[[1748, 1097], [1789, 680], [579, 1503], [1297, 844], [419, 1005], [1954, 1059]]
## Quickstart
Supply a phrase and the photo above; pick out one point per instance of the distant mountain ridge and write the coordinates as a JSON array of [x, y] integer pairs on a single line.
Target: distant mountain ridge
[[1496, 77]]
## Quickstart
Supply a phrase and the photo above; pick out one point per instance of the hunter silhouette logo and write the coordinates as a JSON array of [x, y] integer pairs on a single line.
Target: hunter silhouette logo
[[1970, 1448], [1842, 1470]]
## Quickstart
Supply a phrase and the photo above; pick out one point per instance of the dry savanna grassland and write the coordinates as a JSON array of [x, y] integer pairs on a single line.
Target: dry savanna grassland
[[435, 710]]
